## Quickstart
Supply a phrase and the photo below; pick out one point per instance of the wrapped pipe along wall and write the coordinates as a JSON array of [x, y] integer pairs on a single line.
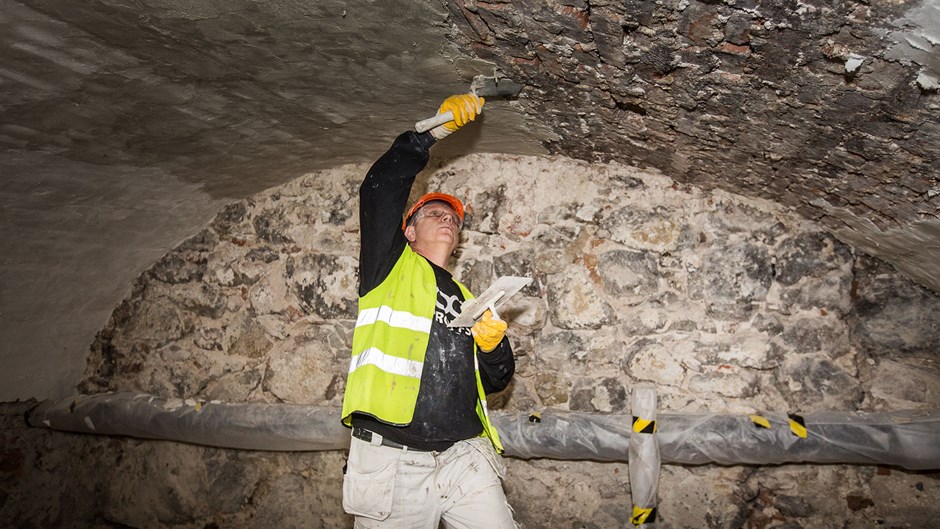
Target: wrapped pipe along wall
[[906, 438], [726, 305]]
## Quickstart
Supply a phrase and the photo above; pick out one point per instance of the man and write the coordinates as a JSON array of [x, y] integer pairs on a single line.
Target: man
[[423, 450]]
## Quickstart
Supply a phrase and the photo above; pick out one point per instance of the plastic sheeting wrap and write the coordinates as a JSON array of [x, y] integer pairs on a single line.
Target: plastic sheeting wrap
[[644, 456], [908, 439], [255, 426], [564, 435]]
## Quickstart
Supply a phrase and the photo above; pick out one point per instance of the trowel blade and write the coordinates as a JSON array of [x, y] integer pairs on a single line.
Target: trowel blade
[[496, 295], [493, 88]]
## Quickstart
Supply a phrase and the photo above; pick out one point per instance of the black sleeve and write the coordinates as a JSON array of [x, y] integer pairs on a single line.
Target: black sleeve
[[497, 367], [383, 196]]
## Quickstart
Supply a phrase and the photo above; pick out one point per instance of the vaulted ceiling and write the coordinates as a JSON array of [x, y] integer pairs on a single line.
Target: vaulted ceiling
[[125, 126]]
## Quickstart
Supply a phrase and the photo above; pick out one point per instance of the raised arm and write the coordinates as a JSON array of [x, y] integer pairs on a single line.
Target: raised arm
[[384, 192], [382, 199]]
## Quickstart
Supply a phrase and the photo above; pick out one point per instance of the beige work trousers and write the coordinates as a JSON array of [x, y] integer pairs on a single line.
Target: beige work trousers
[[398, 488]]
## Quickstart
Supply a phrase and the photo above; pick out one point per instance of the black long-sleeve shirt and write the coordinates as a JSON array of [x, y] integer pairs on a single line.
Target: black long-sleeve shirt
[[445, 411]]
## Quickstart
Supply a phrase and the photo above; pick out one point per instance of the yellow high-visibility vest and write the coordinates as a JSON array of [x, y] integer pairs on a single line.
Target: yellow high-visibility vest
[[390, 342]]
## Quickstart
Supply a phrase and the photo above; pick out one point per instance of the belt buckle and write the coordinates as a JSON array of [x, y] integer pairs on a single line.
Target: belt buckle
[[376, 439], [362, 434], [368, 436]]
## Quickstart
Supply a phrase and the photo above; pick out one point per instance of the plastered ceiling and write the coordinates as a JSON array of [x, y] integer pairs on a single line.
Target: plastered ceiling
[[125, 126]]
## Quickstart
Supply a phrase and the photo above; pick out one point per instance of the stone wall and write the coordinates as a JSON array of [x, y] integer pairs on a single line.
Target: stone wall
[[727, 304]]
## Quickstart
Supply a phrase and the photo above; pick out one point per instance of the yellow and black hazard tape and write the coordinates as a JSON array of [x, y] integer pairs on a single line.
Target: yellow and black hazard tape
[[643, 515], [797, 425], [641, 425], [760, 421]]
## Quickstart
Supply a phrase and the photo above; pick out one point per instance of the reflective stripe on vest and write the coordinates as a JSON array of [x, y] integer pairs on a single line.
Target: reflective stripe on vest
[[394, 318], [387, 363]]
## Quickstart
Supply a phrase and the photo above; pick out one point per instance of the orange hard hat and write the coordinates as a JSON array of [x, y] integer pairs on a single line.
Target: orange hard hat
[[450, 200]]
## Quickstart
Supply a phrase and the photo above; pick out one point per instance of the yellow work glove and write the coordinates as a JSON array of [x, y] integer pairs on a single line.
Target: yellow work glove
[[465, 107], [488, 332]]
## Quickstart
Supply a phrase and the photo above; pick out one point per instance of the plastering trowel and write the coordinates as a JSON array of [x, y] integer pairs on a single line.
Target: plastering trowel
[[483, 86], [491, 298]]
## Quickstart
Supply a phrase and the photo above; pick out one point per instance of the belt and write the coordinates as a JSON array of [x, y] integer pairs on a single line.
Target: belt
[[367, 436]]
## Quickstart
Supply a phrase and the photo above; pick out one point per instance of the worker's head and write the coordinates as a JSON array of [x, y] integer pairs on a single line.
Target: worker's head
[[450, 201], [434, 218]]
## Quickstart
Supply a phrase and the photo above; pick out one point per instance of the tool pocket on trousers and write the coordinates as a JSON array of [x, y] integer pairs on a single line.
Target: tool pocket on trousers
[[370, 493]]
